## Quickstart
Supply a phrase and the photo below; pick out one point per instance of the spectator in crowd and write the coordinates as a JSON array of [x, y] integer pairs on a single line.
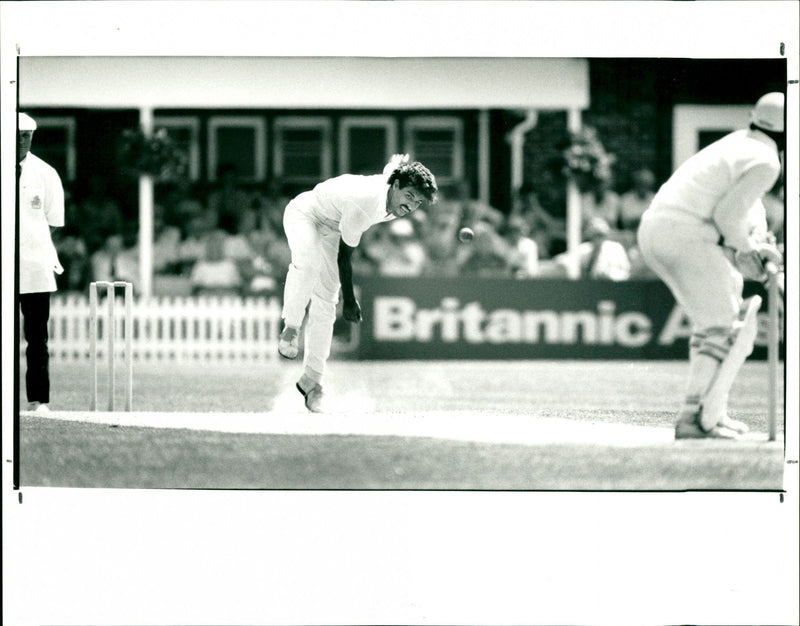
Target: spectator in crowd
[[523, 251], [41, 210], [634, 202], [193, 247], [75, 260], [180, 204], [473, 210], [99, 214], [487, 255], [274, 248], [266, 247], [237, 244], [439, 237], [548, 226], [640, 270], [166, 244], [600, 201], [607, 258], [363, 264], [238, 247], [401, 253], [72, 250], [215, 273], [599, 256], [262, 272], [366, 257], [229, 202], [270, 206], [115, 261]]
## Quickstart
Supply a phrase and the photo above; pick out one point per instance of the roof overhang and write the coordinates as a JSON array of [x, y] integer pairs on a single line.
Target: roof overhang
[[304, 82]]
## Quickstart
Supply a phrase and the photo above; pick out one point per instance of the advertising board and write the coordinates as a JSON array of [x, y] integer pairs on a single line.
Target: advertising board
[[491, 318]]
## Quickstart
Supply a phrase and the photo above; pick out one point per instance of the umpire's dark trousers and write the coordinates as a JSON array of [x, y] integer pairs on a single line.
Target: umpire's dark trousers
[[36, 314]]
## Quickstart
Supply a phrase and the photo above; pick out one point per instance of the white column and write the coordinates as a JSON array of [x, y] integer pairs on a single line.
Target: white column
[[484, 165], [573, 206], [145, 286], [516, 137]]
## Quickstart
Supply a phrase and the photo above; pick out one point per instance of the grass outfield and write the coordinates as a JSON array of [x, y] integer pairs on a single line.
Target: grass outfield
[[511, 425]]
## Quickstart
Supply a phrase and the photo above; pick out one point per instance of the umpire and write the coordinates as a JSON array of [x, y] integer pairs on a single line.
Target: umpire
[[41, 209]]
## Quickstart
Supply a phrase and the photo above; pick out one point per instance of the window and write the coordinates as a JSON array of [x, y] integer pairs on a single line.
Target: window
[[695, 126], [185, 132], [437, 142], [237, 141], [302, 149], [366, 144], [54, 141]]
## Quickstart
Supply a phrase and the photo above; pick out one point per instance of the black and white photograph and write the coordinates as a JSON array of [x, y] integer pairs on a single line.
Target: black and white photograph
[[400, 312]]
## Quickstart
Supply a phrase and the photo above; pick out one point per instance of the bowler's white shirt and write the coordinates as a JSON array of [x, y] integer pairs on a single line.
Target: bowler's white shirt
[[41, 205], [720, 184], [349, 203]]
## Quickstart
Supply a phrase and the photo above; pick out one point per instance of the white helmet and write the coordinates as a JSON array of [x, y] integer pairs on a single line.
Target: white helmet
[[768, 112]]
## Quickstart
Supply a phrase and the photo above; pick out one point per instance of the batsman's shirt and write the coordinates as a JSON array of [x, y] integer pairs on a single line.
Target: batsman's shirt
[[41, 205], [720, 184], [349, 204]]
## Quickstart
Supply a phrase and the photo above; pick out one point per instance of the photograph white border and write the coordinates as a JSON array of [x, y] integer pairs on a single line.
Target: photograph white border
[[146, 557]]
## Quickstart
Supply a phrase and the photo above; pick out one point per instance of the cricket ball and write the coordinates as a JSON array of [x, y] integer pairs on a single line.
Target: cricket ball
[[466, 234]]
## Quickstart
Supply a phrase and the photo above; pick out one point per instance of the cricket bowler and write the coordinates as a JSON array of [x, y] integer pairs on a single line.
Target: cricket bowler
[[704, 232], [323, 227]]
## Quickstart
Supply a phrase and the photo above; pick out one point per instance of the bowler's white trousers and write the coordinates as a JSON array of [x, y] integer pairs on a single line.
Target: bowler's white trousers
[[313, 277]]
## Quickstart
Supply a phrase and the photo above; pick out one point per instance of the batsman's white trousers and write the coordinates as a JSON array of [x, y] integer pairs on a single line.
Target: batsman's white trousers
[[313, 277], [684, 252]]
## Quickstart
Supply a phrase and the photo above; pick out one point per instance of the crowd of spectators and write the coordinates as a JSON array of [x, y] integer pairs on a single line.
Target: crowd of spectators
[[226, 240], [229, 239], [529, 241]]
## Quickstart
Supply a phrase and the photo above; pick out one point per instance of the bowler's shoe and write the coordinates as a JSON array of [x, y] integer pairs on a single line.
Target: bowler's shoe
[[313, 397], [289, 343]]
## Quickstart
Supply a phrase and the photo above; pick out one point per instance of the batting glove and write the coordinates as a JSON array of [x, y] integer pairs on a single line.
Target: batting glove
[[751, 262], [769, 252]]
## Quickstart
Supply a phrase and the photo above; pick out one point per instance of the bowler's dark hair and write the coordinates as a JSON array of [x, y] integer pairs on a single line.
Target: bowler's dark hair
[[415, 175]]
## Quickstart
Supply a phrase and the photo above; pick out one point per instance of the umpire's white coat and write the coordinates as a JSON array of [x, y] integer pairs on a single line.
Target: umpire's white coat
[[713, 197], [41, 205], [341, 207]]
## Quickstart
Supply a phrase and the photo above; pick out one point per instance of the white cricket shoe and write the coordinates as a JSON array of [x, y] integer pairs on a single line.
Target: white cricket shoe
[[38, 407], [688, 427], [313, 397], [289, 343], [734, 425]]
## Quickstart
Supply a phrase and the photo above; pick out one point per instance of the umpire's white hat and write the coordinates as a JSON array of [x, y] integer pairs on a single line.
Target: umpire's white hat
[[768, 112], [26, 122]]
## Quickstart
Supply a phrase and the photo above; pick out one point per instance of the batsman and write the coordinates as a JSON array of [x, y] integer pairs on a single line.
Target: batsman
[[703, 234]]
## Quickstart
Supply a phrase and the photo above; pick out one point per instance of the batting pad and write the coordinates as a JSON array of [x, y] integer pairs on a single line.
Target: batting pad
[[714, 401]]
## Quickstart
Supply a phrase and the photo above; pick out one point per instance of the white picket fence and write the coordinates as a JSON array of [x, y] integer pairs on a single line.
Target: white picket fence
[[199, 328]]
